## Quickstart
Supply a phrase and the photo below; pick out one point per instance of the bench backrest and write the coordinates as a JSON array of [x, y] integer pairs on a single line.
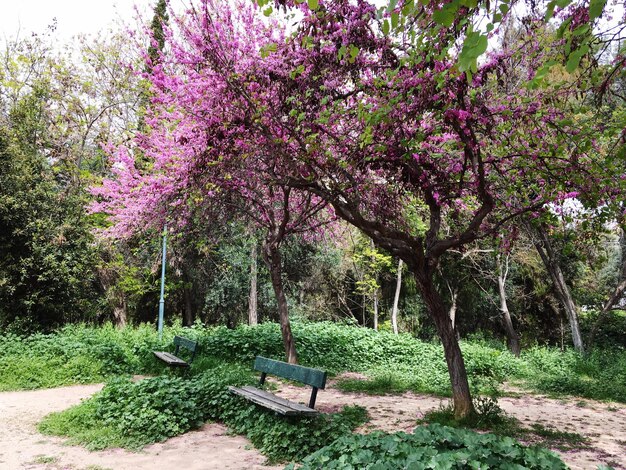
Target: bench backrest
[[185, 343], [306, 375]]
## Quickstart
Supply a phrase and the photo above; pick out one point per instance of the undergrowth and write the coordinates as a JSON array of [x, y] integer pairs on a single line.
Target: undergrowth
[[489, 416], [432, 446], [133, 414], [392, 363]]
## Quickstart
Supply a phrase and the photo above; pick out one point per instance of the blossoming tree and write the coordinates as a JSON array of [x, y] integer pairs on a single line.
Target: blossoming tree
[[387, 117]]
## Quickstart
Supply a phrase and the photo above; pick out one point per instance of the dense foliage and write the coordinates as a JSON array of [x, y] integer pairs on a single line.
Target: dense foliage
[[431, 446], [75, 354], [79, 354], [47, 257]]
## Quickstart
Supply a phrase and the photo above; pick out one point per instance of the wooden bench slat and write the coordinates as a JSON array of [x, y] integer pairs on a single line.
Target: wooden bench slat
[[314, 377], [277, 399], [273, 402], [306, 375], [170, 359]]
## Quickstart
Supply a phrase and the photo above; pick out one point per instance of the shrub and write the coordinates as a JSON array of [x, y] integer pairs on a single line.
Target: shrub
[[432, 446], [149, 410]]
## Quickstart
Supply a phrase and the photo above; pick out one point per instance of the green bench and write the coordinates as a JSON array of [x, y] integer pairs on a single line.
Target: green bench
[[172, 359], [314, 377]]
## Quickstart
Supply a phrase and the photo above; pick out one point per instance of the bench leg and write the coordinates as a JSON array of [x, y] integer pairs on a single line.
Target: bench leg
[[313, 397], [262, 380]]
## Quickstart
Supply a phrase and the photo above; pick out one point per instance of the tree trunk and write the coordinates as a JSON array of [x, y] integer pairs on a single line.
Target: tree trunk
[[188, 316], [119, 314], [545, 250], [252, 298], [454, 295], [116, 298], [396, 299], [376, 310], [511, 334], [274, 263], [188, 313], [461, 395]]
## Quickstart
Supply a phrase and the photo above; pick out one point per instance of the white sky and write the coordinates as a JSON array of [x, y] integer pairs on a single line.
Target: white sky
[[73, 16]]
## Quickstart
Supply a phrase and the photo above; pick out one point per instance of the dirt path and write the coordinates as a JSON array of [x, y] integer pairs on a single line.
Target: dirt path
[[22, 447]]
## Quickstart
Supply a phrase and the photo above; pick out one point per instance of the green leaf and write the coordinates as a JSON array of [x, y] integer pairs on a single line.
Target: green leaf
[[268, 49], [354, 52], [445, 16], [583, 29], [475, 45], [386, 27], [268, 11], [574, 58], [342, 52], [596, 7], [395, 19], [313, 4], [553, 4]]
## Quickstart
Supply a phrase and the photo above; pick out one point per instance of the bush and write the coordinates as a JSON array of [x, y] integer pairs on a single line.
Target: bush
[[76, 354], [432, 446], [416, 365], [150, 410]]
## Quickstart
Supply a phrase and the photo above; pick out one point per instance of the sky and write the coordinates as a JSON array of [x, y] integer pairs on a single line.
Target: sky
[[72, 16]]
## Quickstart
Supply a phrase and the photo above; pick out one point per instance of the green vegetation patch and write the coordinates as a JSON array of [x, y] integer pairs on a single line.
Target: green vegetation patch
[[133, 414], [432, 446], [77, 354], [392, 363], [491, 417], [600, 375]]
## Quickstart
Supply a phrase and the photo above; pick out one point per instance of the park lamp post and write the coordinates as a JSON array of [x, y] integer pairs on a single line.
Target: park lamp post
[[162, 299]]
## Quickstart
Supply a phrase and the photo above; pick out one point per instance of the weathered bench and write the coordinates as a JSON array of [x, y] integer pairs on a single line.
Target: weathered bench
[[173, 359], [314, 377]]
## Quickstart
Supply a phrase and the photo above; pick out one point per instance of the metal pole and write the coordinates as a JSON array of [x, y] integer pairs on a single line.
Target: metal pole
[[162, 300]]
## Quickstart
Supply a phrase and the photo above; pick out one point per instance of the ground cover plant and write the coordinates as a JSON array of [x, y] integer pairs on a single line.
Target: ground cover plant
[[391, 363], [75, 354], [432, 446], [491, 417], [397, 363], [132, 414]]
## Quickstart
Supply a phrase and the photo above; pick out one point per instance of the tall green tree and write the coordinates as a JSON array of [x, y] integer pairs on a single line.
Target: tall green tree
[[47, 259]]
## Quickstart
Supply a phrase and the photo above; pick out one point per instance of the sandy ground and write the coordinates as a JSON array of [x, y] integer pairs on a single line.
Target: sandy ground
[[211, 447], [23, 447]]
